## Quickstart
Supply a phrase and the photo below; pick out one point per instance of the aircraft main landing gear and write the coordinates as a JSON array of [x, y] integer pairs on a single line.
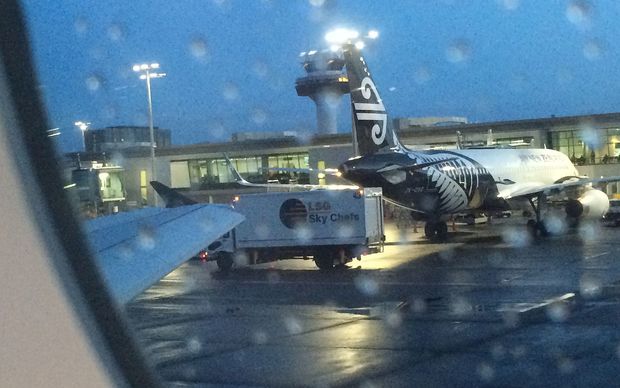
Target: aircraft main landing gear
[[436, 230], [537, 227]]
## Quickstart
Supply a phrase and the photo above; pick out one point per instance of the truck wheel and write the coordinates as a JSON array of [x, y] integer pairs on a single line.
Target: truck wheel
[[225, 262], [324, 261]]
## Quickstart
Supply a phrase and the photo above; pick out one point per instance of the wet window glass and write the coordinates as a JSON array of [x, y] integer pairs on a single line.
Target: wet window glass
[[267, 210]]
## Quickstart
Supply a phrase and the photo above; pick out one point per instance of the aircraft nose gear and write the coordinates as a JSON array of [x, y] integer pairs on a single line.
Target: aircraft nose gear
[[436, 230]]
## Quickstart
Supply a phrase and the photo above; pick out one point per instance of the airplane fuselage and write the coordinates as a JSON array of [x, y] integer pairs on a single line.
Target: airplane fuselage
[[462, 179]]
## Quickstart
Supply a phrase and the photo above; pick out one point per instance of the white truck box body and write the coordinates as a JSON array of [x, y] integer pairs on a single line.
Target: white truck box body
[[310, 218]]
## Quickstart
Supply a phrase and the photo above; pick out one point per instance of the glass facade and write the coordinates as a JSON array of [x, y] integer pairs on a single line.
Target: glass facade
[[214, 173], [589, 147], [111, 138]]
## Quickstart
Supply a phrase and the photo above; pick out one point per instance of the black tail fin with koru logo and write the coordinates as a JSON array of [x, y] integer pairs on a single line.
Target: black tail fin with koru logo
[[371, 130]]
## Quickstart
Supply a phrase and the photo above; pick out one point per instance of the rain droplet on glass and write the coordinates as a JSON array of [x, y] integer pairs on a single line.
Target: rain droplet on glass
[[146, 237], [498, 351], [590, 287], [418, 305], [510, 5], [241, 258], [292, 325], [516, 237], [194, 345], [458, 51], [316, 3], [422, 75], [518, 351], [558, 312], [81, 25], [460, 306], [231, 91], [592, 50], [394, 319], [566, 366], [198, 48], [93, 83], [511, 318], [261, 69], [486, 372], [345, 231], [366, 285], [115, 32], [258, 116], [579, 12], [216, 129], [259, 337], [303, 234]]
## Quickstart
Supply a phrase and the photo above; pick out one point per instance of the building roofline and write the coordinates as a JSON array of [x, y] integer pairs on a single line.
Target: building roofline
[[317, 140]]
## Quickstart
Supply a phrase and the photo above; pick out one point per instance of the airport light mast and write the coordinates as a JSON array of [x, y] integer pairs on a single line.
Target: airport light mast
[[325, 82], [83, 126], [147, 73]]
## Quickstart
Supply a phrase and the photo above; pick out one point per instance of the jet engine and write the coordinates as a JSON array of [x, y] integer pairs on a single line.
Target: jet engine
[[592, 204]]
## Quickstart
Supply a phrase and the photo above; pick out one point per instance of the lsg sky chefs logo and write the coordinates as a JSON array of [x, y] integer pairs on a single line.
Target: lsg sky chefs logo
[[294, 213]]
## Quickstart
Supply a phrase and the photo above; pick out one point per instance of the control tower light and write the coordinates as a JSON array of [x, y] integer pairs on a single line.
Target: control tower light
[[83, 126], [325, 82]]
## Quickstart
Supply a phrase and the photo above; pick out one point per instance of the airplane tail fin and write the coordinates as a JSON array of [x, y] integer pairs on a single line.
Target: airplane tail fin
[[372, 132], [238, 178], [171, 197]]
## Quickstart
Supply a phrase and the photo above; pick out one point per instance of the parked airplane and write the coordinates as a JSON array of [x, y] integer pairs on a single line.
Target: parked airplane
[[288, 186], [437, 184]]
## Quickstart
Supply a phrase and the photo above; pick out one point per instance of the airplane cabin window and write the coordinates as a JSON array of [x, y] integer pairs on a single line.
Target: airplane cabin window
[[231, 196]]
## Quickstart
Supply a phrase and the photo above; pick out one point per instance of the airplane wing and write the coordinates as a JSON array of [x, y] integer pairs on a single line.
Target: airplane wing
[[283, 186], [295, 186], [134, 250], [172, 198], [531, 189]]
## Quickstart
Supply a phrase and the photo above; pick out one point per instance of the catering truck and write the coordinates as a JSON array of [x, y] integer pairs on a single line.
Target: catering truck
[[330, 227]]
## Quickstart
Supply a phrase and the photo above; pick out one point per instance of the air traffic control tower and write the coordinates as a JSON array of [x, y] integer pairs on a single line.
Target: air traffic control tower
[[324, 83]]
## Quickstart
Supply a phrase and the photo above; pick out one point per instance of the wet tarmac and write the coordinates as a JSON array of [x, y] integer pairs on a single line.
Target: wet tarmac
[[489, 308]]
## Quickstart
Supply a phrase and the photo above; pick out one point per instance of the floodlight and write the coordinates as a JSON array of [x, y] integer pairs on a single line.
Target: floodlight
[[341, 35]]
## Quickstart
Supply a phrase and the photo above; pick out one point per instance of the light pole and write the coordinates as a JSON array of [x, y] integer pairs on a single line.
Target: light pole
[[146, 73], [83, 126]]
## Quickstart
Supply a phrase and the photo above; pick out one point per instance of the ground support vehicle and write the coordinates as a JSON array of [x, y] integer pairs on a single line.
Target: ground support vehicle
[[330, 227], [612, 216]]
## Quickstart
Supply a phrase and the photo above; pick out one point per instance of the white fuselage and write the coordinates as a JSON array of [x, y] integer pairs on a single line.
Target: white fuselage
[[475, 175], [523, 166]]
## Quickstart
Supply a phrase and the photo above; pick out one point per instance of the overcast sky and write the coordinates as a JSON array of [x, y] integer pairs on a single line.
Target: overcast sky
[[231, 65]]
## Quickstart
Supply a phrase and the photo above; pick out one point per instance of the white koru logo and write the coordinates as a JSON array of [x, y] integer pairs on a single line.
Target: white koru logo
[[378, 131]]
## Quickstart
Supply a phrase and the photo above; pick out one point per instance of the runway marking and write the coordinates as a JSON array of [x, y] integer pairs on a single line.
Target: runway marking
[[597, 255]]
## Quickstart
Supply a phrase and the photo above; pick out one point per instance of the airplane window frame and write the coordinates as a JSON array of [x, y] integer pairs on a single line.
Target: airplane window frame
[[40, 170]]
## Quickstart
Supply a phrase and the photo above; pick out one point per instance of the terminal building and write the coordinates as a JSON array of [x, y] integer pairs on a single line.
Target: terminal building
[[123, 137], [200, 171], [120, 156]]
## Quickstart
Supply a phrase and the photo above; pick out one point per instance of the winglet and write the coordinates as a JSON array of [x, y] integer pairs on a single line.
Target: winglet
[[171, 197], [238, 178]]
